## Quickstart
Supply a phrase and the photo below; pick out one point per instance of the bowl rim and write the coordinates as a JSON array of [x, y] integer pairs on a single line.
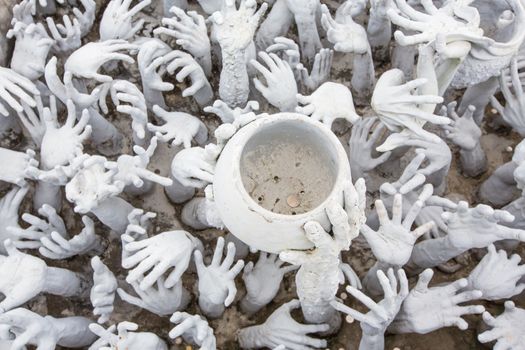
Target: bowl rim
[[258, 125]]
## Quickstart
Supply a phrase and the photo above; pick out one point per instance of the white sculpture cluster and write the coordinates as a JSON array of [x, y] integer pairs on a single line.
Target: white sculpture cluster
[[87, 117]]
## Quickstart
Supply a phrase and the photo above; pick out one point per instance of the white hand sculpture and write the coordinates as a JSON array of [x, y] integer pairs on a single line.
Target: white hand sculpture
[[29, 238], [9, 205], [34, 124], [397, 104], [131, 170], [86, 61], [125, 339], [381, 314], [46, 332], [200, 87], [497, 276], [32, 45], [281, 89], [393, 242], [67, 36], [30, 328], [507, 329], [281, 329], [329, 102], [463, 131], [346, 35], [319, 276], [23, 276], [162, 252], [466, 134], [61, 144], [102, 293], [65, 90], [150, 59], [361, 145], [14, 85], [231, 115], [452, 29], [91, 185], [234, 29], [138, 223], [191, 33], [217, 281], [289, 48], [56, 247], [428, 309], [436, 152], [130, 100], [180, 127], [157, 299], [193, 328], [19, 167], [263, 281], [117, 20], [193, 167], [478, 227], [86, 18], [513, 112], [320, 72]]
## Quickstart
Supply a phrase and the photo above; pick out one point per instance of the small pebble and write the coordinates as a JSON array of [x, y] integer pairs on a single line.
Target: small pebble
[[178, 341], [349, 319], [493, 111], [508, 149], [344, 296], [396, 348]]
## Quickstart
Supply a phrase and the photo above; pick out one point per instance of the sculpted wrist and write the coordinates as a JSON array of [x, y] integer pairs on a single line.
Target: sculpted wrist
[[250, 337]]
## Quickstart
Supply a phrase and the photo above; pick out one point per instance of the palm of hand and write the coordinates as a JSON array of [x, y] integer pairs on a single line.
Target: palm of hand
[[22, 276], [180, 127], [218, 278], [236, 31], [468, 231], [396, 242], [59, 146], [510, 326], [425, 310], [174, 244], [497, 276], [87, 58], [350, 37], [466, 133], [115, 26], [36, 329], [323, 101]]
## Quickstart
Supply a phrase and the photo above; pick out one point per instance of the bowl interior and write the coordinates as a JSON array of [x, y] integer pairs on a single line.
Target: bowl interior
[[289, 167]]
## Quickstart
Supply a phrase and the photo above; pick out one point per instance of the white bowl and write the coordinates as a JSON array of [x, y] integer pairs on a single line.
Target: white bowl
[[322, 162]]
